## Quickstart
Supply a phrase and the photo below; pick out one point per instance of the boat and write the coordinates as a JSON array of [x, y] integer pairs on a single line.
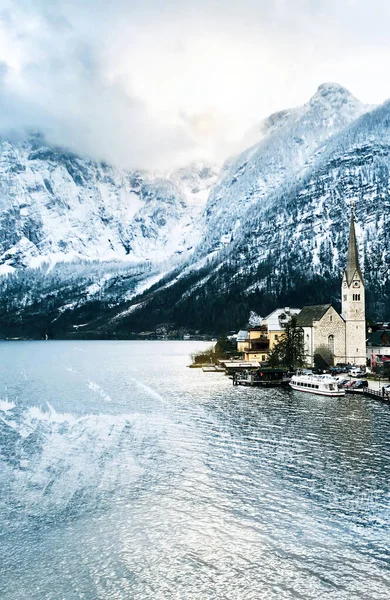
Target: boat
[[264, 377], [325, 385]]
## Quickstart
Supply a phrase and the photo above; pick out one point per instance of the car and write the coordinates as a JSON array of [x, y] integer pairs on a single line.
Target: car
[[360, 384], [342, 382], [335, 370], [349, 384], [356, 372]]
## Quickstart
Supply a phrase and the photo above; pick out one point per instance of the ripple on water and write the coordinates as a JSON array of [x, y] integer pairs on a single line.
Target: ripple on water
[[186, 487]]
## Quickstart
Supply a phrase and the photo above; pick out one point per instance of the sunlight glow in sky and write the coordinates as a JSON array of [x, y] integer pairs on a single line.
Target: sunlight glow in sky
[[154, 84]]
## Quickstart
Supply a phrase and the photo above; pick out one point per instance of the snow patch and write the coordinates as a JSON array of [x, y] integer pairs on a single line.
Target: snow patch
[[6, 406]]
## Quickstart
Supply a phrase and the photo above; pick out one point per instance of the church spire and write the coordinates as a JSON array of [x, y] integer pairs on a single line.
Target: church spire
[[353, 257]]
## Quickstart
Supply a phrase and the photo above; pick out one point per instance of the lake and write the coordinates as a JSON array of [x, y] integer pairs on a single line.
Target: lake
[[126, 475]]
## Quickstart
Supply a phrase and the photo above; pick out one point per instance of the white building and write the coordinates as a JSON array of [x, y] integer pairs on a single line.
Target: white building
[[276, 321]]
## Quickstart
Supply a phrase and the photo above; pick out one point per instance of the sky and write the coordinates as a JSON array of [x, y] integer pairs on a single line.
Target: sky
[[156, 84]]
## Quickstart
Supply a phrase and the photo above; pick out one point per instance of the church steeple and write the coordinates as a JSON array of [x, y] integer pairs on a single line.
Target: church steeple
[[353, 257], [353, 303]]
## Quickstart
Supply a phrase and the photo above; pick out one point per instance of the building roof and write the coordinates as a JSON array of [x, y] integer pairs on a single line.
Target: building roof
[[242, 335], [309, 314], [379, 338], [353, 257], [275, 323]]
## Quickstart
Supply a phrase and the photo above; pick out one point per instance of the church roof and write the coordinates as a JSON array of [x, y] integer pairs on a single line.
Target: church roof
[[309, 314], [353, 257]]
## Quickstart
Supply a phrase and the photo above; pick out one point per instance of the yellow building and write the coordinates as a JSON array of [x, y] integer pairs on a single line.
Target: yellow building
[[256, 346], [256, 343]]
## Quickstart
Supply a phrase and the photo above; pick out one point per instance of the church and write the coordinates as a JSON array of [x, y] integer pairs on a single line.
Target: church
[[339, 338]]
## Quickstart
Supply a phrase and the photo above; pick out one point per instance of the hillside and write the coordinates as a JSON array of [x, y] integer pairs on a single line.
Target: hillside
[[273, 231]]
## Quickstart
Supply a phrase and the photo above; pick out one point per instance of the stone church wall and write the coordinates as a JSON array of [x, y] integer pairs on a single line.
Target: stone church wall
[[356, 346], [331, 324]]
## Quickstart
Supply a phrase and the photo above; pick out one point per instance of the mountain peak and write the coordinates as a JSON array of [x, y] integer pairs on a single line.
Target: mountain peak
[[333, 93]]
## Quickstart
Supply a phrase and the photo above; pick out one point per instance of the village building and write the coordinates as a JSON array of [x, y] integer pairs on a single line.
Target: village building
[[378, 350], [242, 337], [257, 342], [256, 345], [339, 338], [275, 323]]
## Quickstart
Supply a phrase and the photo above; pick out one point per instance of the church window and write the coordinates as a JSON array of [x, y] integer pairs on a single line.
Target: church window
[[331, 318], [331, 344], [345, 297], [356, 297]]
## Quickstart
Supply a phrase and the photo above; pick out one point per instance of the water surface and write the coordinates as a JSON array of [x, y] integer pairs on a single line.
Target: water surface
[[125, 475]]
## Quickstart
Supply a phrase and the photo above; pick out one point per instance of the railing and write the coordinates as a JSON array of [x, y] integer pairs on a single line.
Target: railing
[[378, 393], [369, 392]]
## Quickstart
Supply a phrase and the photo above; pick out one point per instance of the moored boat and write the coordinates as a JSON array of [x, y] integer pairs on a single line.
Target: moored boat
[[325, 385]]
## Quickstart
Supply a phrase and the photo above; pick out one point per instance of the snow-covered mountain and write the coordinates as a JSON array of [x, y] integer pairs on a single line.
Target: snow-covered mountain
[[56, 206], [290, 245], [287, 141], [270, 230]]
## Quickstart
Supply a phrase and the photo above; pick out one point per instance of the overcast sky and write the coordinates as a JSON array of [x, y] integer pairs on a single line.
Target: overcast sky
[[155, 83]]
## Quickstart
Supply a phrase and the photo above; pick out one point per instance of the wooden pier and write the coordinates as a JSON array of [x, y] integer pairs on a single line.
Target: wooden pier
[[261, 378], [376, 394]]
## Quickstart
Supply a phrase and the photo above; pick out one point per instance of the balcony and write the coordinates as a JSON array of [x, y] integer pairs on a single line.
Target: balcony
[[257, 347]]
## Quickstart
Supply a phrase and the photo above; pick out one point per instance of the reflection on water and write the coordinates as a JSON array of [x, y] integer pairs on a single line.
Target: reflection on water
[[125, 475]]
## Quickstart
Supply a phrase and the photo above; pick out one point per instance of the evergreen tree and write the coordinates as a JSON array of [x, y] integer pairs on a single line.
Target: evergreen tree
[[274, 357], [291, 350]]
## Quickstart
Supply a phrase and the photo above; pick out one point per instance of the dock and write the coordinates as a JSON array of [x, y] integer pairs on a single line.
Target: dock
[[375, 394], [261, 378]]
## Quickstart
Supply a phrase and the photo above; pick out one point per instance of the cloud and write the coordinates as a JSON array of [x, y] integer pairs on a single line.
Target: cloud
[[53, 79], [157, 83]]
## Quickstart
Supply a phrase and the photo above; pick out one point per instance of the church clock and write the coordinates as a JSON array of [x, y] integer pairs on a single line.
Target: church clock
[[356, 284]]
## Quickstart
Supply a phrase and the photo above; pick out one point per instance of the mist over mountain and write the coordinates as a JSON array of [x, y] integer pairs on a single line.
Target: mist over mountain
[[90, 250]]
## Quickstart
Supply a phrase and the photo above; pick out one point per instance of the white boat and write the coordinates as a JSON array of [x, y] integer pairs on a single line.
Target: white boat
[[326, 385]]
